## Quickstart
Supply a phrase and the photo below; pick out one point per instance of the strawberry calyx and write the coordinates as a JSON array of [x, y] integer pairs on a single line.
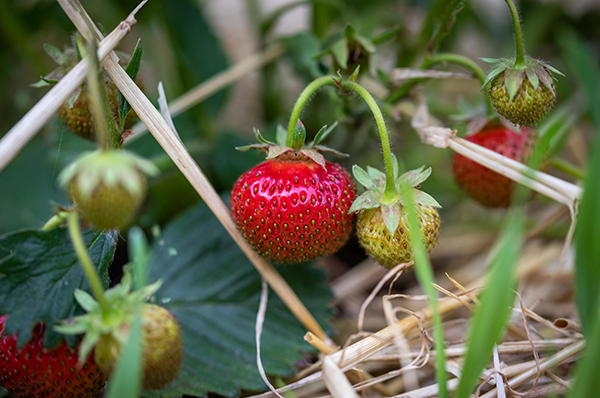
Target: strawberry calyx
[[109, 168], [110, 325], [376, 195], [297, 150]]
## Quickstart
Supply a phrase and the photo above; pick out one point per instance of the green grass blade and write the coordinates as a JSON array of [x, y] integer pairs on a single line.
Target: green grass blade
[[138, 253], [126, 381], [132, 70], [492, 314], [426, 279], [587, 382]]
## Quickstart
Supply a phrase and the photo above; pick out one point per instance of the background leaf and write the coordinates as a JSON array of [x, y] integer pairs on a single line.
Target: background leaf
[[39, 275], [213, 291]]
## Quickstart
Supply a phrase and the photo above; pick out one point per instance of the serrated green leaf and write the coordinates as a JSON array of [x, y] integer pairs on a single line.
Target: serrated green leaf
[[213, 291], [43, 265], [363, 178], [54, 53], [126, 380], [492, 314], [391, 216], [367, 200], [132, 71]]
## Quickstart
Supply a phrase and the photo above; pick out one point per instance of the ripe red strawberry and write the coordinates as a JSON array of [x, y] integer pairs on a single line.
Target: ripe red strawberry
[[162, 348], [292, 209], [482, 184], [34, 371]]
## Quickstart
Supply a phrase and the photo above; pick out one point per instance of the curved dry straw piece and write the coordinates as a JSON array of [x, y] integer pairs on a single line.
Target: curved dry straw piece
[[337, 384], [21, 133], [170, 142], [562, 191]]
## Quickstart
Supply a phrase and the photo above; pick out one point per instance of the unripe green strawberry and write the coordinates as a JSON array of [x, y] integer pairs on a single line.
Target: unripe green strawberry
[[162, 354], [522, 94], [108, 187], [77, 116], [482, 184], [389, 250], [381, 221]]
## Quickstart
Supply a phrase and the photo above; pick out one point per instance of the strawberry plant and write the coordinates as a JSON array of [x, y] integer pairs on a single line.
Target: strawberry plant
[[419, 227]]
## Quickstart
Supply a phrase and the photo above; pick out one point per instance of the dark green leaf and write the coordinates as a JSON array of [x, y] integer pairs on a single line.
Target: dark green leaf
[[213, 291], [132, 71], [440, 20], [300, 50], [492, 314], [38, 277], [125, 382]]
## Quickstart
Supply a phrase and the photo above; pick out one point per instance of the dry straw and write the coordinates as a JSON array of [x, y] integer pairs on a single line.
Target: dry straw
[[26, 128], [173, 146]]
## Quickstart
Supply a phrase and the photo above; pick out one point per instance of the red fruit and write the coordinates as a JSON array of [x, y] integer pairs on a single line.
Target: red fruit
[[482, 184], [35, 371], [292, 210]]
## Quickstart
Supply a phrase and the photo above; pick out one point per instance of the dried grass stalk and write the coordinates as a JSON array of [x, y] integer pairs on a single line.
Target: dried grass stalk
[[337, 384], [26, 128], [183, 160]]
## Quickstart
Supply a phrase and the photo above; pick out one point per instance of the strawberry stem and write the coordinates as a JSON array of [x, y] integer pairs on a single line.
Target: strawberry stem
[[390, 189], [86, 262], [520, 59]]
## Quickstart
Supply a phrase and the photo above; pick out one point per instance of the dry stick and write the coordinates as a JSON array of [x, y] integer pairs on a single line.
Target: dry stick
[[26, 128], [551, 362], [180, 156]]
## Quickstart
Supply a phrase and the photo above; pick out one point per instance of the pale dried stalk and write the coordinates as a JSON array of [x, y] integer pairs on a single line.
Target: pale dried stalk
[[361, 350], [555, 188], [568, 325], [183, 160], [337, 384], [26, 128], [399, 75], [546, 364], [215, 84]]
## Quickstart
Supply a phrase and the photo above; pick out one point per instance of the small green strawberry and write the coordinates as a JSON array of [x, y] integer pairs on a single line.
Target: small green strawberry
[[381, 224], [108, 187], [107, 332], [521, 93]]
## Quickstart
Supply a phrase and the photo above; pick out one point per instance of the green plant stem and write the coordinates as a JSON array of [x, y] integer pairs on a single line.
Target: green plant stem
[[390, 188], [567, 167], [86, 261], [55, 221], [520, 59], [459, 60]]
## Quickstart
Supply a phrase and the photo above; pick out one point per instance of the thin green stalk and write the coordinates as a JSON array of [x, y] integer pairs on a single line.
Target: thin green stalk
[[86, 261], [390, 189], [567, 167], [520, 59], [460, 60], [55, 221]]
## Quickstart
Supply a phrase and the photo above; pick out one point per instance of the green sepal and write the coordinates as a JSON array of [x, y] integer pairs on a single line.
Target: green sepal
[[363, 178], [323, 148], [513, 78], [132, 71], [395, 167], [298, 136], [280, 135], [545, 77], [322, 134], [533, 78], [391, 214], [277, 150], [368, 200], [376, 175], [340, 52], [315, 156], [73, 98], [57, 56], [43, 82], [415, 177], [354, 75], [385, 36], [426, 199], [260, 138], [85, 300]]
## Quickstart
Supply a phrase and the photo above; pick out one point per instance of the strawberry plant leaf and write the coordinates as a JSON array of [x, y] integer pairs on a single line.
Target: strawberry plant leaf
[[132, 70], [213, 291], [43, 265]]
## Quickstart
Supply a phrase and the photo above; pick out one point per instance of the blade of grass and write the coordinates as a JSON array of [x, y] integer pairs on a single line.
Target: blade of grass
[[426, 279], [132, 70], [492, 314], [126, 381], [587, 382]]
